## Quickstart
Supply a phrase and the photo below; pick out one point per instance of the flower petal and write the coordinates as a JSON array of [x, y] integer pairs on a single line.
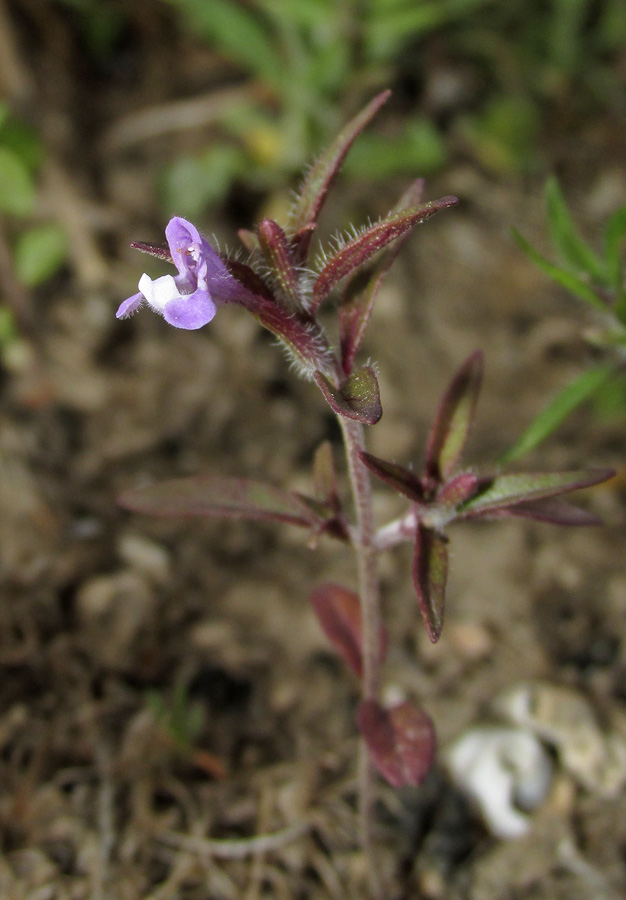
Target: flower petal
[[128, 307], [189, 311], [158, 291], [181, 236]]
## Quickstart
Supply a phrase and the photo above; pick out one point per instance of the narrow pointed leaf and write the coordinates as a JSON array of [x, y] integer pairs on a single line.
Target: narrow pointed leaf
[[232, 498], [567, 242], [339, 613], [506, 491], [553, 511], [455, 414], [567, 280], [558, 409], [323, 172], [362, 248], [358, 398], [430, 576], [358, 301], [275, 247], [397, 477], [401, 741], [161, 251]]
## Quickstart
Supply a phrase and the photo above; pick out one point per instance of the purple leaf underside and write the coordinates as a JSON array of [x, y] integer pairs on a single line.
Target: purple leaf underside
[[430, 575], [371, 241], [395, 476], [275, 247], [453, 420], [232, 498], [358, 398], [339, 613], [401, 741], [507, 491]]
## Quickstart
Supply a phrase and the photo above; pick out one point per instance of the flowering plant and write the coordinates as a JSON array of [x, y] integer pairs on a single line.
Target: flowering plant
[[284, 290]]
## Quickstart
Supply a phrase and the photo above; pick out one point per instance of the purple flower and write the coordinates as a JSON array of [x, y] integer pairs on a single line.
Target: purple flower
[[189, 299]]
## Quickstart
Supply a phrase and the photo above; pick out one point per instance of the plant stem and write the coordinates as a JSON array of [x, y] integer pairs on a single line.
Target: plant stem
[[369, 595]]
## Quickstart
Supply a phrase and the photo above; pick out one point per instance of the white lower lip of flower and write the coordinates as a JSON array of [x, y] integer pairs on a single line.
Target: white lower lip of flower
[[158, 291]]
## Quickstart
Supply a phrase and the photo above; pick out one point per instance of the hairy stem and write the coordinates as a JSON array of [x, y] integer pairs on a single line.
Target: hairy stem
[[369, 594]]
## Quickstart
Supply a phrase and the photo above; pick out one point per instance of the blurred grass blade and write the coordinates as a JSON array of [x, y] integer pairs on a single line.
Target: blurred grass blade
[[575, 253], [238, 33], [565, 402], [567, 280], [614, 234]]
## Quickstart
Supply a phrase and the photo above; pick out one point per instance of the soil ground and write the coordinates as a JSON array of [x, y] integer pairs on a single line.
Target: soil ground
[[107, 618]]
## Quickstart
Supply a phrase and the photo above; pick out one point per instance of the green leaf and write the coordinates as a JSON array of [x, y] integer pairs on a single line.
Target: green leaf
[[566, 279], [230, 498], [17, 188], [506, 491], [575, 253], [430, 575], [39, 253], [560, 407]]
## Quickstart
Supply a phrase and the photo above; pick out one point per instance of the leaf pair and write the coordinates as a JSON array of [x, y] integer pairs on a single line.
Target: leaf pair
[[439, 496]]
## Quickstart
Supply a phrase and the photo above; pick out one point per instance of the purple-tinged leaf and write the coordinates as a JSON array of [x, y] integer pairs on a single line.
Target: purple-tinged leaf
[[358, 301], [395, 476], [297, 331], [430, 575], [276, 249], [401, 741], [231, 498], [161, 251], [358, 398], [553, 511], [301, 242], [362, 248], [248, 239], [339, 613], [458, 490], [248, 278], [504, 491], [324, 170], [453, 420]]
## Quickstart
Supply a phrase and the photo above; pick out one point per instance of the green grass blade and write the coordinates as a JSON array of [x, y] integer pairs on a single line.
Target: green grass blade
[[575, 253], [557, 410], [567, 280]]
